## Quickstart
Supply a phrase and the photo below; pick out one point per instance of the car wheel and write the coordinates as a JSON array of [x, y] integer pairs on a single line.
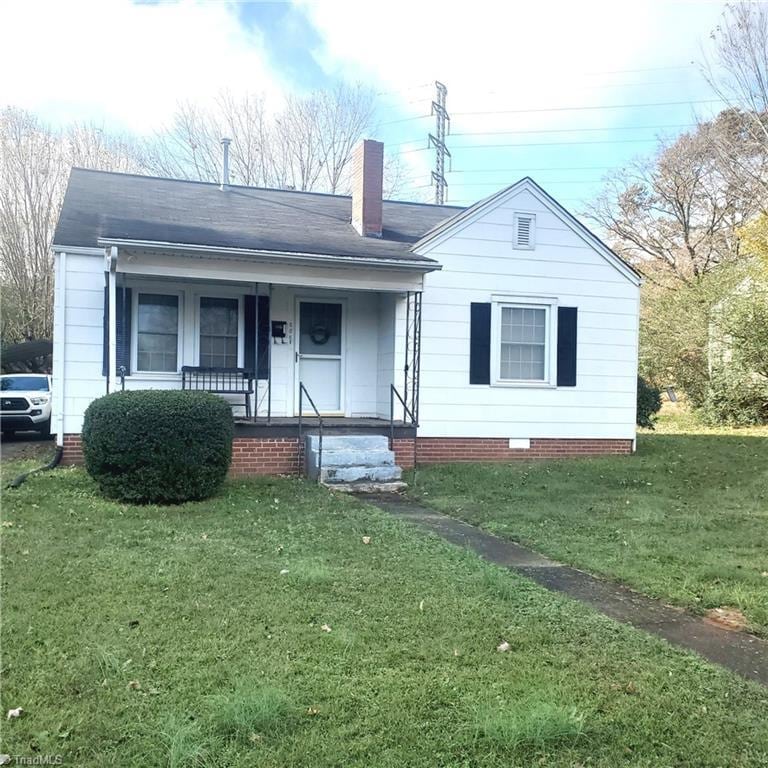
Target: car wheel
[[45, 430]]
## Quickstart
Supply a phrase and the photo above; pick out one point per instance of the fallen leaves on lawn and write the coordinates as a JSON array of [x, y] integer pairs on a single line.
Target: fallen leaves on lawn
[[728, 618], [134, 685], [421, 605], [284, 571], [313, 711], [7, 523], [325, 628], [366, 539], [503, 646], [17, 712]]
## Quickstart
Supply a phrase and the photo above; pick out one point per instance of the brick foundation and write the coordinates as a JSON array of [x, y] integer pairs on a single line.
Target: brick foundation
[[265, 456], [446, 450], [282, 455], [73, 450]]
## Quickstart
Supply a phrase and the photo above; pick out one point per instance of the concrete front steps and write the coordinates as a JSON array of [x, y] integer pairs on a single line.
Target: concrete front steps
[[354, 463]]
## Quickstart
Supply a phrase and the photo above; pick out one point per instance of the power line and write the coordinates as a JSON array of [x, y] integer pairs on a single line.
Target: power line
[[522, 169], [575, 130], [540, 144], [549, 168], [594, 106], [690, 65], [555, 130], [405, 120], [462, 184], [405, 90]]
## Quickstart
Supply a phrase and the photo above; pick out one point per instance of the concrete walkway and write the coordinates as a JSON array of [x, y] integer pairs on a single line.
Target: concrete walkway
[[740, 652]]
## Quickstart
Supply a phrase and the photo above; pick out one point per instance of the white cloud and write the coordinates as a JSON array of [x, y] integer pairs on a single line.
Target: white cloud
[[497, 55], [125, 64]]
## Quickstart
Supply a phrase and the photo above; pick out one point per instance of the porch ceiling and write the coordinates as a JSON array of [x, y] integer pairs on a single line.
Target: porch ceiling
[[234, 267]]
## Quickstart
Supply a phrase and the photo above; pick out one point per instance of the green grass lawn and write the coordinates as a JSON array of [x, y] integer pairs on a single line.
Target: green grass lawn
[[685, 520], [193, 636]]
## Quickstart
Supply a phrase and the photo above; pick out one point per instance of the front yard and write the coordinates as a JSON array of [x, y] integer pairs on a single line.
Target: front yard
[[685, 520], [259, 629]]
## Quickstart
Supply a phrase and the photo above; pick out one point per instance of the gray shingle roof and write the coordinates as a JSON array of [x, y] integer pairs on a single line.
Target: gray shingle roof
[[105, 205]]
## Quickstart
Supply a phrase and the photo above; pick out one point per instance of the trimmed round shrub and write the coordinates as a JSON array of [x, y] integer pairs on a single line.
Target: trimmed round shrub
[[158, 446], [648, 403]]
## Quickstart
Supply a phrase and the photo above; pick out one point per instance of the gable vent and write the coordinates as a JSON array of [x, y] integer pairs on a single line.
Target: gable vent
[[525, 230]]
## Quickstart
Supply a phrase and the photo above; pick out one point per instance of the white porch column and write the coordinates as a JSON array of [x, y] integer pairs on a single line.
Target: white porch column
[[112, 371], [59, 343]]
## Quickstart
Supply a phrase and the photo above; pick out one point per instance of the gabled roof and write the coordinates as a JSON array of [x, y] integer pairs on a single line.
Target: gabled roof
[[456, 223], [102, 206]]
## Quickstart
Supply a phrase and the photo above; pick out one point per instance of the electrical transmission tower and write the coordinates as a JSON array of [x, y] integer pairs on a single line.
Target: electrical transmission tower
[[442, 121]]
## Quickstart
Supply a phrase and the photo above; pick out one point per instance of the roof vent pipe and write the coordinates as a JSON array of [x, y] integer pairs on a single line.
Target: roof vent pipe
[[225, 163]]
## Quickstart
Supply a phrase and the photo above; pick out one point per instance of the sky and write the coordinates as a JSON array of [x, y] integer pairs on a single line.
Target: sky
[[564, 92]]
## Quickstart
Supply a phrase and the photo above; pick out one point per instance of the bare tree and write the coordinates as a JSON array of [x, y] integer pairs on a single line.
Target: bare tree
[[34, 167], [31, 179], [307, 145], [738, 73], [190, 147], [676, 217]]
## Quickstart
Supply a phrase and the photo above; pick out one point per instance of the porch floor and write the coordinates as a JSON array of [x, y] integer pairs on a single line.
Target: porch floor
[[288, 426]]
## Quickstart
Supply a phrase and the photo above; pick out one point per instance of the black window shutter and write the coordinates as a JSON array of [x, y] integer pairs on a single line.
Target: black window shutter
[[249, 359], [105, 347], [123, 307], [567, 322], [263, 338], [480, 343]]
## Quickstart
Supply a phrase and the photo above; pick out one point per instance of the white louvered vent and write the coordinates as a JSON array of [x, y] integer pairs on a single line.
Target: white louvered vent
[[525, 231]]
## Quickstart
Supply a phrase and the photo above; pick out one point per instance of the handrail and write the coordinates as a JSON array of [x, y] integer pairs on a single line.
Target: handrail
[[303, 391], [406, 412]]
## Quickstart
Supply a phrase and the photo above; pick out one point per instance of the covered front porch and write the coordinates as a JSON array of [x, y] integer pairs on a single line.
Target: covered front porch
[[341, 340]]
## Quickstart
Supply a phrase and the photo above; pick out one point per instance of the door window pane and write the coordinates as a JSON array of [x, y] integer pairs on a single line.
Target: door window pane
[[157, 333], [523, 343], [319, 328], [218, 332]]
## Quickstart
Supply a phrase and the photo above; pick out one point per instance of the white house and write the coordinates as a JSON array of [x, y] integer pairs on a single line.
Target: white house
[[507, 328]]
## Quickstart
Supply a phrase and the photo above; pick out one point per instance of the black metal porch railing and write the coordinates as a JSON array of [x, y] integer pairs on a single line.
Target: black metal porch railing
[[393, 393], [302, 452]]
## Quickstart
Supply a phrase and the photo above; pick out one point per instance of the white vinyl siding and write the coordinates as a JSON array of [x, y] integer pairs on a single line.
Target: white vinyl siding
[[480, 264]]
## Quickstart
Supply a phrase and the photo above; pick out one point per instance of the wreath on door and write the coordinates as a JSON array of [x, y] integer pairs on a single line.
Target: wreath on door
[[319, 334]]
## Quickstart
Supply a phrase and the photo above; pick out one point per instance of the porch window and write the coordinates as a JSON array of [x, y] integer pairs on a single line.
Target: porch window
[[218, 332], [157, 335]]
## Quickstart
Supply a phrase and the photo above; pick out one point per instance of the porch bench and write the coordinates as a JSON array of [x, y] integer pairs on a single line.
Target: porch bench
[[220, 381]]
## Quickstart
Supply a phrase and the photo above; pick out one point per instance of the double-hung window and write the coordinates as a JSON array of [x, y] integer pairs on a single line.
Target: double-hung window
[[219, 320], [522, 343], [157, 333]]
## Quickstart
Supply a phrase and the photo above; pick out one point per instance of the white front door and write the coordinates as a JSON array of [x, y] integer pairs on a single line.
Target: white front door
[[320, 355]]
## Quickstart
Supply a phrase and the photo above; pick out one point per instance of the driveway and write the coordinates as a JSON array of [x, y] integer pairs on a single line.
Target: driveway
[[26, 445]]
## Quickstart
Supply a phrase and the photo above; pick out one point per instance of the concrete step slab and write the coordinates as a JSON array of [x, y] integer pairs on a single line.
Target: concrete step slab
[[350, 458], [348, 442], [356, 474]]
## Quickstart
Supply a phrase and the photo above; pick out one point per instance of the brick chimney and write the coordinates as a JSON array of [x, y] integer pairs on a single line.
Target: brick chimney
[[367, 181]]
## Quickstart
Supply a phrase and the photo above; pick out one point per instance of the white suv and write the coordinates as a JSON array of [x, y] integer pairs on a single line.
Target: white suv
[[25, 403]]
